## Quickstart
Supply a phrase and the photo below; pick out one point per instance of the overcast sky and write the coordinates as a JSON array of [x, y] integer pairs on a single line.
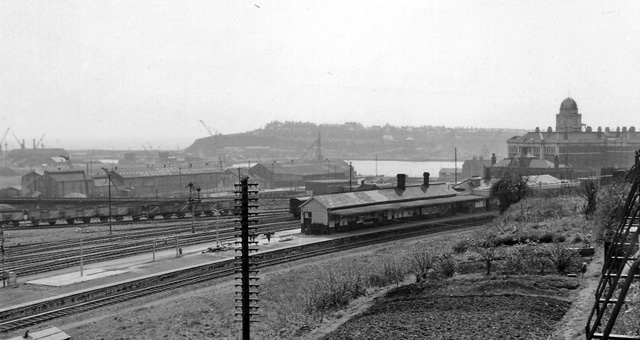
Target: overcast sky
[[119, 74]]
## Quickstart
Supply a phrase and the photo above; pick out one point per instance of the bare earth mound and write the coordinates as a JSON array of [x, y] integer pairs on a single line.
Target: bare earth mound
[[465, 308]]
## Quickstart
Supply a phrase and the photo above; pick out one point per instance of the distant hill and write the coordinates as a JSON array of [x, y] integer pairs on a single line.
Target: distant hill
[[298, 140]]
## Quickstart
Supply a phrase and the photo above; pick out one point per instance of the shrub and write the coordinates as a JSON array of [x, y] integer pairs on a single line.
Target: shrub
[[546, 238], [563, 258], [447, 265], [422, 259], [607, 214], [538, 258], [460, 247], [515, 259]]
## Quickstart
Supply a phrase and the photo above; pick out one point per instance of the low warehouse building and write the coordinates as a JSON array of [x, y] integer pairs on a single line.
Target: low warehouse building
[[56, 184], [294, 174], [156, 182], [354, 210]]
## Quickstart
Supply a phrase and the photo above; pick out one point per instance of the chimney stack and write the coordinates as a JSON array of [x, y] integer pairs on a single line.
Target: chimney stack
[[556, 162], [493, 159], [401, 181], [599, 132], [425, 176]]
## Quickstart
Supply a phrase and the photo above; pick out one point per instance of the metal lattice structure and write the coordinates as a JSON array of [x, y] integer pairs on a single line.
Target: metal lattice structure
[[621, 267], [248, 286]]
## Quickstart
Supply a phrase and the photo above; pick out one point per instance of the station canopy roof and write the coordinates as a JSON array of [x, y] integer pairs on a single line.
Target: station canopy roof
[[402, 205], [383, 196]]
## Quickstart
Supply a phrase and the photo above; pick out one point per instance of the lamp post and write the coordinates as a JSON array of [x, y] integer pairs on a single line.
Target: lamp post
[[349, 176], [192, 202], [2, 250], [81, 251], [109, 180], [217, 212], [273, 175]]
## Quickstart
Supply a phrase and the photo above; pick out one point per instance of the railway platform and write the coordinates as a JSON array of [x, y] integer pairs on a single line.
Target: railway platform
[[47, 285]]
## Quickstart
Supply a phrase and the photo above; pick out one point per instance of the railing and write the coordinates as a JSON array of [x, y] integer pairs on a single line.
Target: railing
[[621, 266]]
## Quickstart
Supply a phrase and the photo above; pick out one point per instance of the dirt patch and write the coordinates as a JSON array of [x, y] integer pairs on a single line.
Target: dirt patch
[[463, 308]]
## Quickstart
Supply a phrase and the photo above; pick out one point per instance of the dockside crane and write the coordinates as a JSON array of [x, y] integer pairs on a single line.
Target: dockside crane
[[40, 141], [4, 136], [211, 132], [18, 140], [318, 144]]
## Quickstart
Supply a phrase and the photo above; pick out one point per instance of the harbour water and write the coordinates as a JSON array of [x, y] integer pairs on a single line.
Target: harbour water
[[392, 168]]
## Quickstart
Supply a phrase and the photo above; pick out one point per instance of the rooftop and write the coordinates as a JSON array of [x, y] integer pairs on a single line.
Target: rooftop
[[387, 195]]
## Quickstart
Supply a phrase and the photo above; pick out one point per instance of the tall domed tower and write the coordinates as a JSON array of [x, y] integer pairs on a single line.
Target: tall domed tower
[[568, 119]]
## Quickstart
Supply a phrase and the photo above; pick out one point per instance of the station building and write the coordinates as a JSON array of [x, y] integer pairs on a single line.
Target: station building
[[354, 210], [574, 144]]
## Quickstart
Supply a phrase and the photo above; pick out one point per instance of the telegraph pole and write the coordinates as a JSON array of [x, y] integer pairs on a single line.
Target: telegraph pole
[[109, 179], [248, 290], [2, 250]]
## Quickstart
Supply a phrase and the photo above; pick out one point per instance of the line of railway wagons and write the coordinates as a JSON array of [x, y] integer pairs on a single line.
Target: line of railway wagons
[[118, 212]]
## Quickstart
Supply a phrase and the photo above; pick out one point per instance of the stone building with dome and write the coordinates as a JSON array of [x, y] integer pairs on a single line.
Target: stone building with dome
[[575, 144]]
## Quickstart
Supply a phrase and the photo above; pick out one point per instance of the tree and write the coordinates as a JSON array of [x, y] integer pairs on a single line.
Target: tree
[[486, 247], [589, 192], [510, 189], [607, 214]]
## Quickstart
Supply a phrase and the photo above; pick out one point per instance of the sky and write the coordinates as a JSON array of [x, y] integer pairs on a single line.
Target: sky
[[122, 74]]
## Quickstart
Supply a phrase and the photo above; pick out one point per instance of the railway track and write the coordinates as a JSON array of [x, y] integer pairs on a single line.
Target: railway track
[[223, 272], [39, 258]]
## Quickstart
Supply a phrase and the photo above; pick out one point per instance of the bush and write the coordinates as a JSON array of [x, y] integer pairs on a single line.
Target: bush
[[563, 258], [447, 265], [460, 247], [608, 212], [546, 238], [422, 259], [538, 258], [515, 259]]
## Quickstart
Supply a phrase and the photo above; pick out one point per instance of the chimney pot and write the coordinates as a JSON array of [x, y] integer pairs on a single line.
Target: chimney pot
[[401, 181], [426, 175]]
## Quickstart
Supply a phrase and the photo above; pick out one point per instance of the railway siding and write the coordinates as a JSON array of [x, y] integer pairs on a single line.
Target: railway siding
[[30, 309]]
